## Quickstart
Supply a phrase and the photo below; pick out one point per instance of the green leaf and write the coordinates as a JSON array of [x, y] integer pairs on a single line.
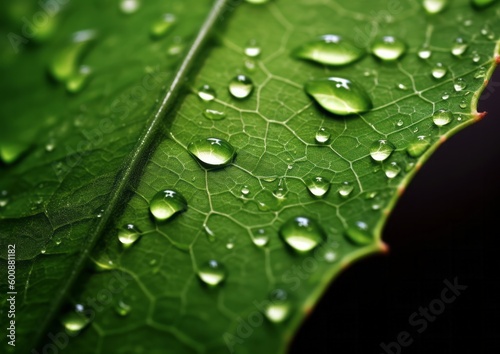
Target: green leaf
[[85, 155]]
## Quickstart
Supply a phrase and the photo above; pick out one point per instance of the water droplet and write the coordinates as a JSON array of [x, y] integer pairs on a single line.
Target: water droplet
[[339, 96], [487, 32], [252, 49], [359, 233], [162, 26], [322, 136], [249, 64], [400, 123], [50, 146], [381, 150], [480, 73], [212, 152], [424, 53], [75, 320], [167, 203], [206, 93], [392, 170], [212, 273], [278, 308], [245, 190], [230, 244], [459, 84], [330, 49], [418, 146], [210, 234], [482, 3], [463, 104], [442, 117], [318, 186], [475, 57], [43, 250], [388, 48], [402, 87], [439, 71], [434, 6], [128, 234], [212, 114], [129, 6], [77, 82], [346, 189], [302, 233], [459, 47], [3, 198], [241, 86], [122, 308], [260, 238], [330, 256], [445, 96], [57, 241]]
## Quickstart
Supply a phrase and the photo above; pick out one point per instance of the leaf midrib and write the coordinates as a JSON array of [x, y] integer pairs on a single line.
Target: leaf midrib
[[133, 164]]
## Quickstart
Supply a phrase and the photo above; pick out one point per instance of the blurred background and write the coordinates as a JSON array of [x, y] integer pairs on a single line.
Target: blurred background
[[446, 225]]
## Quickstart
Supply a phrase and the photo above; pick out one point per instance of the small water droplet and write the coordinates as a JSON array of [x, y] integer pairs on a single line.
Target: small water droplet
[[339, 96], [122, 308], [167, 203], [330, 256], [346, 189], [260, 238], [241, 86], [245, 190], [388, 48], [206, 93], [75, 320], [330, 49], [463, 104], [424, 53], [434, 6], [57, 241], [252, 49], [480, 73], [318, 186], [475, 57], [128, 234], [129, 6], [302, 233], [487, 32], [402, 87], [381, 150], [162, 26], [212, 152], [439, 71], [230, 244], [442, 117], [359, 233], [418, 146], [212, 273], [212, 114], [459, 47], [50, 146], [322, 136], [392, 170], [459, 84], [278, 308], [445, 96], [400, 123], [77, 81]]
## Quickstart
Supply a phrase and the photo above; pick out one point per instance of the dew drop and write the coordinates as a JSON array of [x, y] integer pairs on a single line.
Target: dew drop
[[322, 136], [252, 49], [278, 308], [459, 47], [128, 234], [445, 96], [230, 244], [245, 190], [480, 73], [463, 104], [75, 320], [418, 146], [122, 308], [381, 150], [77, 81], [459, 84], [212, 273], [4, 198], [129, 6], [439, 71], [318, 186], [346, 189], [241, 86], [162, 26], [392, 170], [424, 53], [442, 117], [260, 238], [388, 48], [330, 49], [206, 93], [212, 152], [213, 114], [434, 6], [359, 233], [400, 123], [339, 96], [302, 233], [330, 256], [167, 203], [402, 87], [475, 57]]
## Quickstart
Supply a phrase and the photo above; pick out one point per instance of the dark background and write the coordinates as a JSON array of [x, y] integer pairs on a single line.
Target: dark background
[[446, 225]]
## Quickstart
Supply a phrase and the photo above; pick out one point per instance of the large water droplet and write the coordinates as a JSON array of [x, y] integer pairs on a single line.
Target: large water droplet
[[162, 26], [129, 6], [459, 84], [339, 96], [212, 152], [278, 308], [330, 49], [359, 233], [418, 146], [302, 233], [206, 93], [213, 114], [167, 203], [128, 234], [381, 150], [252, 49], [345, 189], [212, 273], [322, 136], [75, 320], [434, 6], [392, 170], [442, 117], [439, 71], [241, 86], [318, 186], [388, 48], [459, 47]]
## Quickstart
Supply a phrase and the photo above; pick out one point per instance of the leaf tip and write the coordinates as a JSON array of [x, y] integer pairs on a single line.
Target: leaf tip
[[479, 115], [383, 247]]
